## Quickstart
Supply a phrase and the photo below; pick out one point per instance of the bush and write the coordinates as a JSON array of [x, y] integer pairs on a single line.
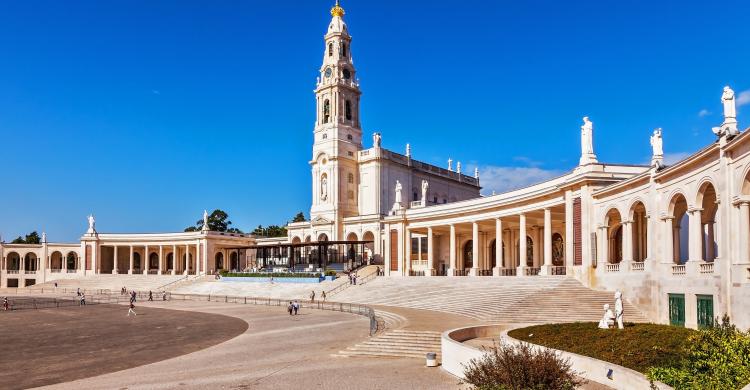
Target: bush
[[716, 358], [330, 272], [520, 367]]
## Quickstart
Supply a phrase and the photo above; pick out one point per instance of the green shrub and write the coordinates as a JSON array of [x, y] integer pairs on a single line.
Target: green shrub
[[520, 367], [330, 272], [716, 358]]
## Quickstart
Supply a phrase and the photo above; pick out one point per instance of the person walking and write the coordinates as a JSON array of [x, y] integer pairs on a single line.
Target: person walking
[[55, 286], [163, 295], [5, 304], [296, 307], [323, 295], [130, 309], [150, 296], [312, 296], [290, 308], [83, 299], [78, 291]]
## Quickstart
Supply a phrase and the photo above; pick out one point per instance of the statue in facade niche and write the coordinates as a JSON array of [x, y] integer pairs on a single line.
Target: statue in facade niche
[[324, 188], [619, 310], [425, 184], [398, 192], [376, 139]]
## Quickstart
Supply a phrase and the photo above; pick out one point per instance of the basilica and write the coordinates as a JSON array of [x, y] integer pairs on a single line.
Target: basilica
[[675, 238]]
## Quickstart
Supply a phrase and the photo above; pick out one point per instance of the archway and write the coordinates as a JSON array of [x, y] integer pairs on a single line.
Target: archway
[[189, 265], [170, 261], [153, 261], [322, 237], [13, 261], [639, 231], [219, 261], [680, 229], [529, 252], [370, 246], [709, 249], [30, 262], [613, 221], [234, 261], [72, 261], [558, 250], [136, 261], [468, 254], [56, 261]]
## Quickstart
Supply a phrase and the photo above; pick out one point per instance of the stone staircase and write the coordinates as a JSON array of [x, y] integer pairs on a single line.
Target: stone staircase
[[396, 343], [539, 299], [112, 282]]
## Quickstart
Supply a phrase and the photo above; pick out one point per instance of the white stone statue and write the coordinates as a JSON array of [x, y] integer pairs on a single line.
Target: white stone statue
[[398, 192], [324, 188], [425, 185], [587, 142], [619, 310], [376, 139], [205, 220], [657, 146], [44, 237], [476, 173], [408, 150], [92, 223], [458, 167], [450, 164], [730, 108], [608, 319]]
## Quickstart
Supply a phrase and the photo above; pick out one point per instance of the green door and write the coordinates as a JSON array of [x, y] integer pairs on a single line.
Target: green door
[[677, 309], [705, 311]]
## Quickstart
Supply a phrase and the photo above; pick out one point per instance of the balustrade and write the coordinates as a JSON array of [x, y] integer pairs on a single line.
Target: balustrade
[[613, 267]]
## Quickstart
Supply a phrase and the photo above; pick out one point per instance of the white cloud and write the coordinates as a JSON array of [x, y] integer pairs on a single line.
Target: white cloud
[[503, 179], [703, 113], [673, 158], [743, 98]]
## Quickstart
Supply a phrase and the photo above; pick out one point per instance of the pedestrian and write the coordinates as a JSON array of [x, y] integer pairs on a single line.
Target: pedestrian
[[312, 296], [55, 286], [83, 299], [323, 295], [290, 308], [130, 309], [78, 291], [296, 307], [164, 296], [5, 304], [378, 271], [349, 275], [150, 296], [354, 278]]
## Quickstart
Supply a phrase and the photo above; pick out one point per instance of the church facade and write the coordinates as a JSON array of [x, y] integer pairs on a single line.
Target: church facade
[[675, 239]]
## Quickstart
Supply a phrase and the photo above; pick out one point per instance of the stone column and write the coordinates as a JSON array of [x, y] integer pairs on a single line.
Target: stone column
[[547, 266], [744, 241], [521, 245], [498, 247], [570, 253], [696, 236], [161, 255], [710, 255], [130, 267], [187, 259], [507, 254], [146, 260], [474, 249], [627, 245], [407, 261], [430, 254], [387, 251], [452, 255], [175, 259], [115, 269]]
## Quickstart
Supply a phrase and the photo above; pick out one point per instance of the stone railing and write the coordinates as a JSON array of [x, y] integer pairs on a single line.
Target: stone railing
[[678, 269], [30, 272], [415, 204], [71, 270], [12, 271], [707, 268], [507, 272], [55, 270], [638, 266], [613, 267], [558, 270], [532, 271]]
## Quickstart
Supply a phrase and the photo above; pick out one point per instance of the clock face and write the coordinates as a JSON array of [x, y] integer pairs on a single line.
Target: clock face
[[328, 72]]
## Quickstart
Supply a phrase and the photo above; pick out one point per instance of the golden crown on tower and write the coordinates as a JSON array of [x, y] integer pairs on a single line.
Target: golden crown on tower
[[337, 10]]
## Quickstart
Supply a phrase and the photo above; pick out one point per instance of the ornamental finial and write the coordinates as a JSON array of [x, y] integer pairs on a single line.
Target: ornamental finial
[[337, 10]]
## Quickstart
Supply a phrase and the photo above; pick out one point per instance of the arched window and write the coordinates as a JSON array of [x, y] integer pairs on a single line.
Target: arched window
[[350, 178], [326, 111], [468, 254], [330, 49], [348, 110], [347, 74], [343, 49]]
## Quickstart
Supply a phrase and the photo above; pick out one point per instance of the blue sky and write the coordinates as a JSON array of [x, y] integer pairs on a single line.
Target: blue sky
[[147, 112]]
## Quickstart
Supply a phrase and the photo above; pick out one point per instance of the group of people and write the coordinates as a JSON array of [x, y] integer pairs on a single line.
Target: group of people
[[322, 296], [610, 319], [293, 308], [353, 278]]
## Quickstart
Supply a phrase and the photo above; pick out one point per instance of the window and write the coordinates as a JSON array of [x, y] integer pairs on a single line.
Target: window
[[677, 309], [347, 74], [325, 136], [351, 178], [348, 110], [705, 311], [343, 49], [326, 111], [330, 49], [350, 154], [349, 137]]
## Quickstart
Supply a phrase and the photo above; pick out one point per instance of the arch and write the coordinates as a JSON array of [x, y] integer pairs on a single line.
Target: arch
[[639, 230], [153, 261], [745, 182], [348, 109], [13, 261], [322, 237], [72, 260], [558, 249], [234, 263], [709, 248], [326, 111], [170, 261], [296, 240], [613, 222], [370, 246], [678, 207], [219, 261], [30, 261], [308, 238], [136, 261], [351, 237], [56, 260], [468, 254]]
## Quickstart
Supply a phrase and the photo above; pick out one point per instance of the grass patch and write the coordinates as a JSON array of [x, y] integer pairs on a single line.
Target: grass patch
[[638, 346]]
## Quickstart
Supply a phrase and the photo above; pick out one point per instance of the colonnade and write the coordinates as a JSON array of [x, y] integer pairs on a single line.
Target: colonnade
[[190, 252]]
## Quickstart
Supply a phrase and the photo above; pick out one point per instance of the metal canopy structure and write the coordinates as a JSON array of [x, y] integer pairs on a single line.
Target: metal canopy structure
[[307, 256]]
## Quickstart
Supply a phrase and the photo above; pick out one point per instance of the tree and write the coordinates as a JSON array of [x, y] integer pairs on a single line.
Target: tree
[[270, 231], [218, 221], [31, 238], [300, 217]]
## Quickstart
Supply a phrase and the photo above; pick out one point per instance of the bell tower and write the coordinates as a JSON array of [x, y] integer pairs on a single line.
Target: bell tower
[[338, 135]]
